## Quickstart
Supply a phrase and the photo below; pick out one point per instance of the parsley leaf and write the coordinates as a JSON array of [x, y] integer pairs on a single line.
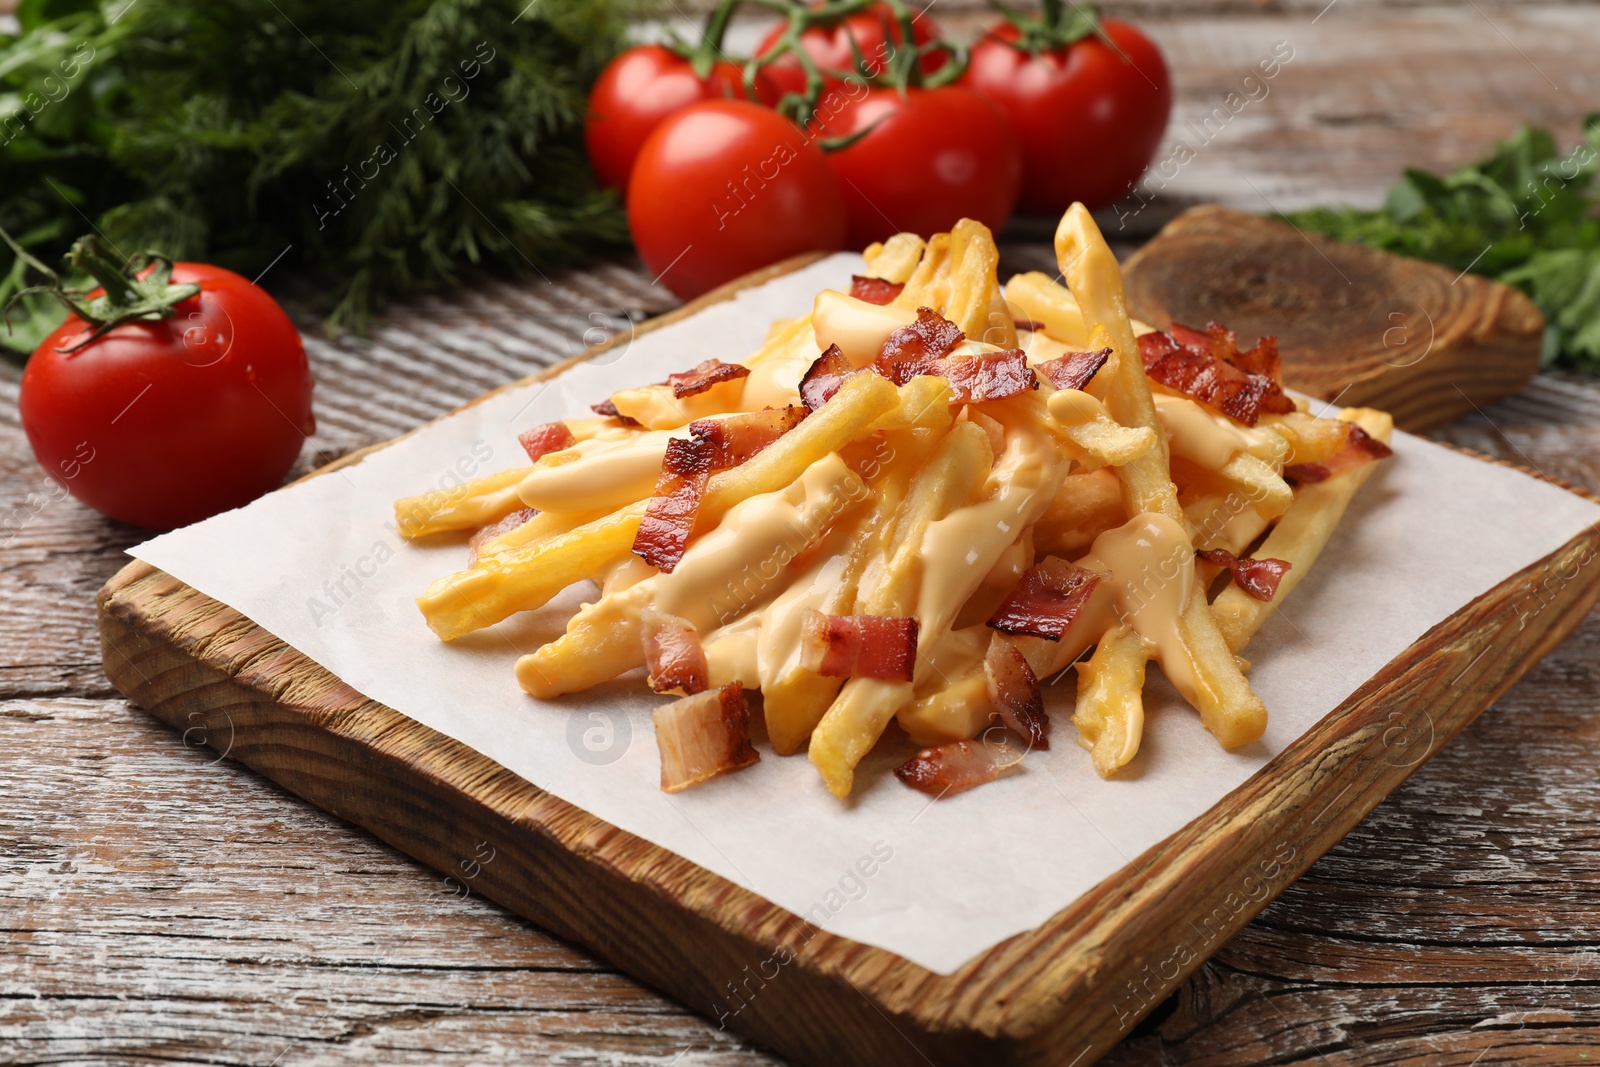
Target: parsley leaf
[[1525, 215]]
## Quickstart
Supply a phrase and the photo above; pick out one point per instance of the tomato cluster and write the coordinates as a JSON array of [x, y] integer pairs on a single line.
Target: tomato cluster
[[854, 121]]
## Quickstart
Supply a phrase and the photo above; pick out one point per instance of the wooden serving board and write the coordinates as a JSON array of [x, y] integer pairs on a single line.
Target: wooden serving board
[[1060, 994], [1372, 329]]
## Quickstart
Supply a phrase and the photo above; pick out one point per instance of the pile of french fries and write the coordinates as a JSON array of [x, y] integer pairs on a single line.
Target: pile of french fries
[[919, 511]]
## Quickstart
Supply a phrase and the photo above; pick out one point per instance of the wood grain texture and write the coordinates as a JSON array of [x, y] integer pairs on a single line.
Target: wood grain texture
[[162, 907], [1066, 991], [1425, 343]]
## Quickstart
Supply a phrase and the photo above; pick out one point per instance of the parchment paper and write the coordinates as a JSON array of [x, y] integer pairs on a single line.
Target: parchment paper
[[320, 566]]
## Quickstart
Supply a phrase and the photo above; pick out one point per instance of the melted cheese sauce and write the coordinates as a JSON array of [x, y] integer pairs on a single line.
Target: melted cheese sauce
[[1074, 406], [605, 472], [1024, 480], [1148, 565], [738, 564], [858, 327], [1203, 436]]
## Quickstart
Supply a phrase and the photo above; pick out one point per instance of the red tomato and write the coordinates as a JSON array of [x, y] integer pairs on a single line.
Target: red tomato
[[1089, 119], [724, 187], [641, 87], [164, 423], [929, 159], [875, 33]]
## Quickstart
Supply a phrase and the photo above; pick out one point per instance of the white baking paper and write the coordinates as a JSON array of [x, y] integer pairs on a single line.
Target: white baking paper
[[319, 565]]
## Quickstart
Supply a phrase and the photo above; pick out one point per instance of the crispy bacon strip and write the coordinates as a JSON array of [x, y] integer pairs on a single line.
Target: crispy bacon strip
[[875, 290], [859, 646], [1210, 368], [1014, 692], [495, 529], [918, 348], [543, 440], [1359, 447], [1046, 602], [702, 736], [673, 654], [669, 517], [735, 439], [957, 766], [823, 378], [990, 376], [1258, 577], [1027, 324], [1075, 369], [608, 409], [704, 375]]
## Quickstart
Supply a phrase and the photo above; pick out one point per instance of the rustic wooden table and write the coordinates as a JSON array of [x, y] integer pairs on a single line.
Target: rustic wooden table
[[162, 905]]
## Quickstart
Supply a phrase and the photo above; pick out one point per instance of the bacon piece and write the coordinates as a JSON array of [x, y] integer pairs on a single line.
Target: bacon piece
[[495, 529], [823, 378], [1027, 324], [704, 375], [1258, 577], [735, 439], [702, 736], [918, 348], [1359, 447], [875, 290], [1014, 692], [989, 376], [957, 766], [859, 646], [673, 654], [669, 517], [1210, 368], [1046, 602], [608, 409], [1075, 369], [543, 440]]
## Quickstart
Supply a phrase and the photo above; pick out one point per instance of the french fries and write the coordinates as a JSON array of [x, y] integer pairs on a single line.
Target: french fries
[[928, 530]]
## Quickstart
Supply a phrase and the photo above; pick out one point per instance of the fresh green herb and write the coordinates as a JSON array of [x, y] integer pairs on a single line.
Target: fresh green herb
[[378, 144], [1525, 215]]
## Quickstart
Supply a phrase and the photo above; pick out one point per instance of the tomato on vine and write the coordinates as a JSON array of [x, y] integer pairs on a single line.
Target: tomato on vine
[[920, 160], [648, 82], [171, 393], [872, 32], [1089, 100], [724, 187]]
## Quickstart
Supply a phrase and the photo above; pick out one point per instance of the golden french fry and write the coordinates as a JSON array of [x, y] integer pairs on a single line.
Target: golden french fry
[[975, 302], [924, 404], [864, 706], [1201, 666], [954, 712], [1228, 707], [894, 260], [1110, 711], [1090, 269], [795, 700], [1299, 537], [527, 577], [464, 507], [763, 533], [1100, 440], [1088, 504], [1037, 297], [1266, 490], [543, 525], [1311, 439], [524, 578], [929, 282]]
